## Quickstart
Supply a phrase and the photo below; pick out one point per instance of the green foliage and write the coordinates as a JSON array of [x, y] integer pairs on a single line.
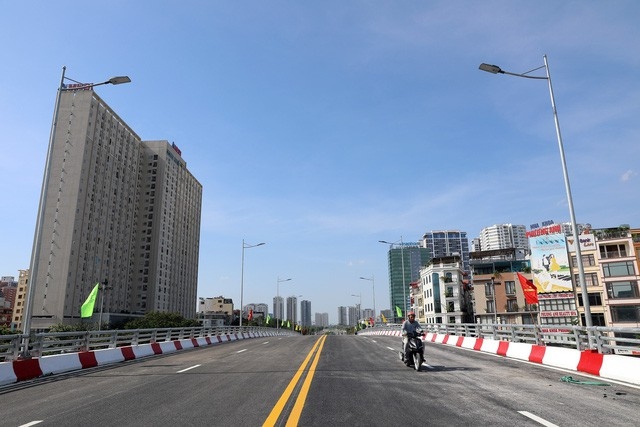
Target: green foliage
[[72, 328], [156, 319], [6, 331]]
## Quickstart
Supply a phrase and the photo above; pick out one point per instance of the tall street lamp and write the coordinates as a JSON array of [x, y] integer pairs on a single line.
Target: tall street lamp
[[494, 69], [280, 306], [404, 288], [35, 252], [373, 284], [244, 246]]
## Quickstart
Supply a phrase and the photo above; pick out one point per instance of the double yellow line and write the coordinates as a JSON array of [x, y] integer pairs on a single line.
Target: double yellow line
[[294, 416]]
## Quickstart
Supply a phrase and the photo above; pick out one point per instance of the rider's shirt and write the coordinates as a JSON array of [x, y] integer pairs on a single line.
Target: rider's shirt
[[410, 327]]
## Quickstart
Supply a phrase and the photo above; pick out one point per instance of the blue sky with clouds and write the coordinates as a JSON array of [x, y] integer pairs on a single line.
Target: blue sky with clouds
[[323, 127]]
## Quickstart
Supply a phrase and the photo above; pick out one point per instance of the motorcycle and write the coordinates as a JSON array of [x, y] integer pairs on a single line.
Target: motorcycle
[[416, 350]]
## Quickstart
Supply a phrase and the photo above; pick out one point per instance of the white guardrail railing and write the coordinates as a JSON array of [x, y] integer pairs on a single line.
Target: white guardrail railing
[[44, 344], [603, 339]]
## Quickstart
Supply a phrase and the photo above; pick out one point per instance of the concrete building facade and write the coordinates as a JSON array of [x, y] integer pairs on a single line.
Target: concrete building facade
[[117, 211]]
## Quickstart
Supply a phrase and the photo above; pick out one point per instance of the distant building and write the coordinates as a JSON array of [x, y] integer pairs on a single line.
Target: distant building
[[343, 318], [503, 236], [278, 307], [497, 294], [21, 297], [305, 313], [215, 311], [117, 211], [446, 243], [405, 260], [442, 295], [322, 320], [292, 309]]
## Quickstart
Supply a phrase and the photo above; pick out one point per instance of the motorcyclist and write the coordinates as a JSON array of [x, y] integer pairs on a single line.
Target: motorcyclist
[[410, 328]]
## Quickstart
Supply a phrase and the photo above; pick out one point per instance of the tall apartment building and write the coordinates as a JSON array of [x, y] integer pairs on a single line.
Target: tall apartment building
[[322, 319], [405, 260], [343, 318], [119, 211], [504, 236], [446, 243], [292, 309], [278, 307], [305, 313]]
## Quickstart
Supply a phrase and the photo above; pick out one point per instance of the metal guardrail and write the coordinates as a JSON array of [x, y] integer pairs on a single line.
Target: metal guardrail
[[44, 344], [605, 340]]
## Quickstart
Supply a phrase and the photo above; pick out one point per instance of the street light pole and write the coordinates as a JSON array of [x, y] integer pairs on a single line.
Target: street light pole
[[373, 284], [36, 248], [244, 246], [494, 69], [280, 308]]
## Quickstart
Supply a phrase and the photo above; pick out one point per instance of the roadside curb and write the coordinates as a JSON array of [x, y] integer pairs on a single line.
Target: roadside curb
[[22, 370], [611, 366]]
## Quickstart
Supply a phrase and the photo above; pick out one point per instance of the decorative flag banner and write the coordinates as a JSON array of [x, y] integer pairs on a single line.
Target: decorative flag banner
[[529, 289], [250, 314], [398, 312], [268, 319], [384, 319], [87, 308], [371, 321]]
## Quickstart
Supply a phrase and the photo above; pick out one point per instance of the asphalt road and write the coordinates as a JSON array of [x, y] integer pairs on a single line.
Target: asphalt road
[[316, 381]]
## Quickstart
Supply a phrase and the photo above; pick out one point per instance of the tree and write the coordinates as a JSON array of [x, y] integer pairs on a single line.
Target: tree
[[156, 319]]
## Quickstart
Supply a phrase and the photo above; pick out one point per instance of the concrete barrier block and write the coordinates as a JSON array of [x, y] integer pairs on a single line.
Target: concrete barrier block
[[7, 376], [167, 347], [60, 363], [143, 350], [490, 346], [519, 350], [622, 368], [108, 356], [566, 358]]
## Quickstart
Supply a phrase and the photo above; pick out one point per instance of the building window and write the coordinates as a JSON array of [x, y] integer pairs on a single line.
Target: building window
[[587, 260], [613, 251], [625, 313], [623, 268], [590, 279], [624, 289], [594, 299], [597, 319], [510, 287]]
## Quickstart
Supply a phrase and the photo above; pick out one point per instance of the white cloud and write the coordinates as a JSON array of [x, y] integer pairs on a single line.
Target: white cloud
[[628, 175]]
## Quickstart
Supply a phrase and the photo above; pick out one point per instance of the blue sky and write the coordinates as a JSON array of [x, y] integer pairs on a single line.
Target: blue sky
[[323, 127]]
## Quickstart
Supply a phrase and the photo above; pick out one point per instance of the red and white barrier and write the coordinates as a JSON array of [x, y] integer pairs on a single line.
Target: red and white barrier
[[22, 370], [611, 366]]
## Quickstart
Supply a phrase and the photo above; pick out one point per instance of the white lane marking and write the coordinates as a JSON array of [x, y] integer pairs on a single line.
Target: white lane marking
[[187, 369], [266, 342], [32, 423], [392, 349], [240, 351], [427, 365], [537, 419]]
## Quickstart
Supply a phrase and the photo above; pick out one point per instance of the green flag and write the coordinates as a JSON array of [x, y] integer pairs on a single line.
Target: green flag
[[87, 308], [398, 312], [268, 319], [288, 324]]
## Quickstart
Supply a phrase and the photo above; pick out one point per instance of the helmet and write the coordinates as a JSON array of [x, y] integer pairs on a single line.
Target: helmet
[[411, 313]]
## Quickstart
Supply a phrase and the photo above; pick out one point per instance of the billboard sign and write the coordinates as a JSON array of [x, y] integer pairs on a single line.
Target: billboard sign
[[550, 262]]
